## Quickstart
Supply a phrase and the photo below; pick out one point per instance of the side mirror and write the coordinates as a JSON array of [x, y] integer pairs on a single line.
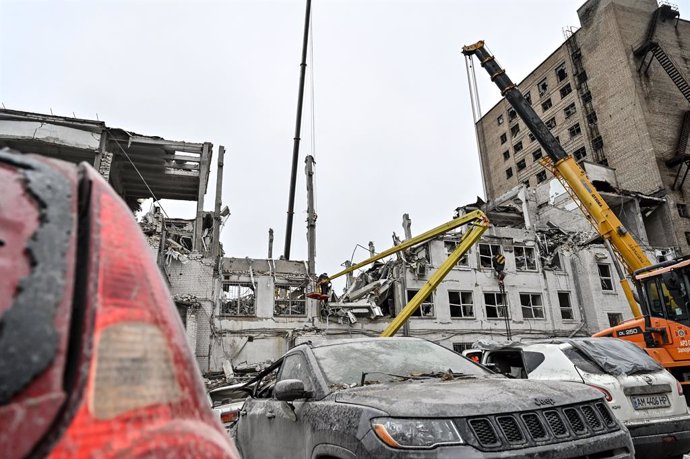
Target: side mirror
[[288, 390]]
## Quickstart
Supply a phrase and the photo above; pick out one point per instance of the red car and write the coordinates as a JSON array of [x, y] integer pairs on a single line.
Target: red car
[[93, 357]]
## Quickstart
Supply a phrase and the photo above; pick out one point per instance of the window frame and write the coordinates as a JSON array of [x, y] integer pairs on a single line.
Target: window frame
[[531, 306], [491, 256], [576, 128], [562, 67], [462, 305], [464, 262], [524, 249], [240, 286], [509, 173], [608, 278], [428, 301], [503, 138], [521, 165], [566, 294], [289, 301], [569, 88], [546, 105], [543, 87], [541, 176], [499, 306]]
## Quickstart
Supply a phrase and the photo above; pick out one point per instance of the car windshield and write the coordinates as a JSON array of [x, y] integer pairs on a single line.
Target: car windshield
[[611, 355], [389, 359]]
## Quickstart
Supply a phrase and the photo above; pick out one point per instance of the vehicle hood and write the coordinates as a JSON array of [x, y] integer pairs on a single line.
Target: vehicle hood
[[466, 397]]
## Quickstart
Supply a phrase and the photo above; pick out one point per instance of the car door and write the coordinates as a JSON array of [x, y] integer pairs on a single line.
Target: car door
[[273, 428]]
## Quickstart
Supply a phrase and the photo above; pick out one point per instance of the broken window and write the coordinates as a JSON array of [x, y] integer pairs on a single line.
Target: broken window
[[551, 123], [683, 210], [450, 246], [605, 276], [565, 90], [426, 309], [518, 146], [509, 172], [487, 253], [565, 306], [541, 176], [528, 97], [570, 110], [525, 259], [582, 77], [561, 73], [499, 120], [592, 119], [532, 307], [586, 97], [579, 153], [506, 155], [575, 130], [526, 183], [495, 305], [521, 164], [597, 143], [289, 301], [511, 114], [547, 104], [504, 138], [459, 347], [531, 137], [614, 318], [238, 300], [536, 154], [461, 304], [542, 87], [515, 129], [556, 262]]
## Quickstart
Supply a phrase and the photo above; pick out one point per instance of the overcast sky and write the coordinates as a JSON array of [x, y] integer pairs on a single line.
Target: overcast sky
[[394, 130]]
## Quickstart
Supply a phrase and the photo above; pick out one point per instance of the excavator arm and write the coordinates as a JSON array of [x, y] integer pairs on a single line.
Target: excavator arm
[[566, 169], [478, 224]]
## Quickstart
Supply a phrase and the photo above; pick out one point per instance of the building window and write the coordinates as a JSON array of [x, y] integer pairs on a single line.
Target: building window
[[511, 114], [565, 90], [461, 304], [542, 87], [551, 123], [459, 347], [495, 305], [547, 104], [499, 120], [605, 276], [597, 143], [521, 164], [582, 77], [518, 146], [687, 238], [426, 309], [536, 154], [683, 210], [532, 308], [515, 129], [556, 262], [586, 97], [509, 172], [541, 176], [565, 306], [450, 246], [528, 97], [504, 138], [506, 155], [289, 301], [531, 137], [561, 73], [579, 153], [526, 183], [525, 259], [592, 119], [238, 300], [487, 253], [570, 110], [615, 318], [574, 130]]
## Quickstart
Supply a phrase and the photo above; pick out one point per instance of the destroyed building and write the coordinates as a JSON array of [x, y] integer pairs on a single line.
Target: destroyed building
[[616, 94]]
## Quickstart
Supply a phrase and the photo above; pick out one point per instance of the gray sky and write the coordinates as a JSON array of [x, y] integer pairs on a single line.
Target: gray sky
[[394, 129]]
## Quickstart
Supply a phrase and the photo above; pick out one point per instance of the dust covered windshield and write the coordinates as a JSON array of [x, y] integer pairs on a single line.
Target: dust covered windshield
[[386, 359]]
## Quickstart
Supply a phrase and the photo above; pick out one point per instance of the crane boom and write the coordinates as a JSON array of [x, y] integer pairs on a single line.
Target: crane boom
[[564, 165]]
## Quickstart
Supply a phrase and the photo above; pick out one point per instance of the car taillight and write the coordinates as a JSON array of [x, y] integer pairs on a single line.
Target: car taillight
[[143, 394], [680, 388], [607, 394], [228, 416]]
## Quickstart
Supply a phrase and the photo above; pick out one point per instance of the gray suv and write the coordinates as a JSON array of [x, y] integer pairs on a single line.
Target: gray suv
[[407, 397]]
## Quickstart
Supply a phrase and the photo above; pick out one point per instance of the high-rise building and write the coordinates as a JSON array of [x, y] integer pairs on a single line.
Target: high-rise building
[[615, 94]]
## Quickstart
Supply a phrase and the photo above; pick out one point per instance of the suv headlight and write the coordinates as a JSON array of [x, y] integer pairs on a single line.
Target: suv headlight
[[415, 433]]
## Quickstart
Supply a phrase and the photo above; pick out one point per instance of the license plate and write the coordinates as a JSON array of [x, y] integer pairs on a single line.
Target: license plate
[[647, 402]]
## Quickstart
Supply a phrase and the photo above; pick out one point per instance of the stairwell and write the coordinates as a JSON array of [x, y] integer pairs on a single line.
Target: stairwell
[[680, 156]]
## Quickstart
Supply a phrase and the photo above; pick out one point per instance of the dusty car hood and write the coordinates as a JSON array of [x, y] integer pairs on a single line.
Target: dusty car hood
[[466, 397]]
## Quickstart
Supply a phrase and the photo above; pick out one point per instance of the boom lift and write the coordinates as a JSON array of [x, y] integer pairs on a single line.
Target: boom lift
[[478, 224], [662, 323]]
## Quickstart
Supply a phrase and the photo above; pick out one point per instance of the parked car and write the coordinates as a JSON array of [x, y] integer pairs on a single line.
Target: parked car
[[227, 401], [642, 394], [407, 397], [94, 361]]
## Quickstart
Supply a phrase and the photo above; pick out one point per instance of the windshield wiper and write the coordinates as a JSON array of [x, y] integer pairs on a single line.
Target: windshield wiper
[[364, 376], [445, 375]]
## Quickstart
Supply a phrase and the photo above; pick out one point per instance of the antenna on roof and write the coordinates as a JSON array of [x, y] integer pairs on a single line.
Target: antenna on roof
[[51, 110]]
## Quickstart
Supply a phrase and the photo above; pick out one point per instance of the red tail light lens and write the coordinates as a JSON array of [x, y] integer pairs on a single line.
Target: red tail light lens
[[607, 394], [228, 416]]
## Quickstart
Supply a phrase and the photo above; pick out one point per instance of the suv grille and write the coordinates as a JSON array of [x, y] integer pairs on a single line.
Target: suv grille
[[539, 427]]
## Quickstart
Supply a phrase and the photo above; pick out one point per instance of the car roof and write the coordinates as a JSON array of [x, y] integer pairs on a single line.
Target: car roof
[[338, 342]]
